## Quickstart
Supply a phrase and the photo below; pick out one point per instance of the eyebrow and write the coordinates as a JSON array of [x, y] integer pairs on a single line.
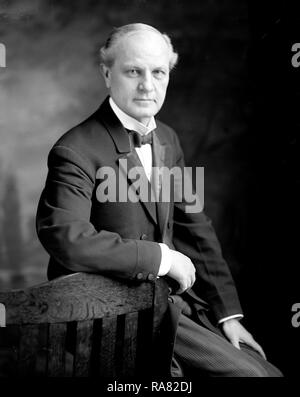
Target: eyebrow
[[132, 65]]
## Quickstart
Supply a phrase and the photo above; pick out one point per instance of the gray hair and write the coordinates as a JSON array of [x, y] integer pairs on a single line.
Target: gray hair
[[107, 56]]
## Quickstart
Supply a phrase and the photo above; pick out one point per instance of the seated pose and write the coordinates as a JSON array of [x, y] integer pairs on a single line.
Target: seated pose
[[96, 215]]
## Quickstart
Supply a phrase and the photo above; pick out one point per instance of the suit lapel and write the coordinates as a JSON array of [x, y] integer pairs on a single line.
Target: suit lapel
[[114, 127], [161, 158], [124, 147]]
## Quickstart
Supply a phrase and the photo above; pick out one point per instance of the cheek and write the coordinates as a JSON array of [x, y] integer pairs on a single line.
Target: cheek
[[118, 84], [162, 89], [126, 88]]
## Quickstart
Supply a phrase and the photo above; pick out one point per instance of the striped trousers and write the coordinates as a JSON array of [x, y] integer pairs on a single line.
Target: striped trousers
[[201, 350]]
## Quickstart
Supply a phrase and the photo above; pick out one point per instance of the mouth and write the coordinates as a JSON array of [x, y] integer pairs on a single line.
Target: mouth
[[144, 103], [144, 100]]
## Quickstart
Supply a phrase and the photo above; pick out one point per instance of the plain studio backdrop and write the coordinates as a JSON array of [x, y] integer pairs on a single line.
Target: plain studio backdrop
[[232, 100]]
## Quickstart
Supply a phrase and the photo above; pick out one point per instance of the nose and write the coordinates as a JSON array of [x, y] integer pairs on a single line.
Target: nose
[[146, 84]]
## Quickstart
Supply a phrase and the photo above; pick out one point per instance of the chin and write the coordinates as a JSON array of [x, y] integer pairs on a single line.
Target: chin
[[146, 112]]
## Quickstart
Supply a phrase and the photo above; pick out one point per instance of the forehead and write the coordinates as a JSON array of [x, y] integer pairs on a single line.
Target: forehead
[[142, 48]]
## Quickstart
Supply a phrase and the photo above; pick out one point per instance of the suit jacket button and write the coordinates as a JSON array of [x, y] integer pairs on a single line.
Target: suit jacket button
[[140, 276], [144, 236], [151, 277]]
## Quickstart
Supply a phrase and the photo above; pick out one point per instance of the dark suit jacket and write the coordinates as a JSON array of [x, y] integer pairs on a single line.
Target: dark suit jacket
[[121, 238]]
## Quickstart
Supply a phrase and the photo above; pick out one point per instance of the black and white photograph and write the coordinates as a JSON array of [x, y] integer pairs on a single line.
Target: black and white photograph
[[149, 192]]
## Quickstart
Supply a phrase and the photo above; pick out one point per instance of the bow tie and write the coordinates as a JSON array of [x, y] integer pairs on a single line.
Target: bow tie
[[139, 140]]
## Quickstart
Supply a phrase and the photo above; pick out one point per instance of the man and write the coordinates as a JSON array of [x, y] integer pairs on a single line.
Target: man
[[143, 239]]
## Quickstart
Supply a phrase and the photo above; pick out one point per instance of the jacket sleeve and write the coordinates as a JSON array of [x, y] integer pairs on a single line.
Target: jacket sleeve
[[64, 227], [194, 236]]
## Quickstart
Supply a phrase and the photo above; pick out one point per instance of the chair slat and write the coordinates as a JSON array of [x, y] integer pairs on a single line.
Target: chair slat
[[107, 347], [160, 304], [129, 347], [144, 345], [9, 350], [28, 350], [56, 349], [83, 348], [42, 356]]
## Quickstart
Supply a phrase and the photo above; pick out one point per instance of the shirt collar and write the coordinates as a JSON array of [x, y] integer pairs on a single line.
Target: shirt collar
[[129, 122]]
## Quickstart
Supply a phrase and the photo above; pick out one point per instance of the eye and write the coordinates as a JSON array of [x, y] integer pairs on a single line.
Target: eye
[[159, 73], [132, 72]]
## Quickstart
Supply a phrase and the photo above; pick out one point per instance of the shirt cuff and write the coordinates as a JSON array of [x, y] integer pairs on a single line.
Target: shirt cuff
[[166, 260], [238, 316]]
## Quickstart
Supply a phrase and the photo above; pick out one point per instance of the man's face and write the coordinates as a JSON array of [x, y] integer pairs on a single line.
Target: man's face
[[139, 77]]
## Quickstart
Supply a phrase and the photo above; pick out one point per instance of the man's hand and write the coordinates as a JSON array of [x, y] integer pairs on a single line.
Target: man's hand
[[182, 270], [236, 333]]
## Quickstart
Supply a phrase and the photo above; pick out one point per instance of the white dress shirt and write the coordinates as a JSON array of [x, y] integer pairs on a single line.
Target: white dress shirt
[[145, 154]]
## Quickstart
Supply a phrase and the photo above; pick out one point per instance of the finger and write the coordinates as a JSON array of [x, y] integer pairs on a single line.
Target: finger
[[261, 352], [256, 347], [179, 291], [235, 343], [182, 288]]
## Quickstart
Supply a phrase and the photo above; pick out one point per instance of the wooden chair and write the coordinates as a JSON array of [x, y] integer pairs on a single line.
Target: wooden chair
[[82, 325]]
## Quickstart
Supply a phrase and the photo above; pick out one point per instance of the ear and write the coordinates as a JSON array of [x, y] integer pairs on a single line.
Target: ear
[[106, 73]]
